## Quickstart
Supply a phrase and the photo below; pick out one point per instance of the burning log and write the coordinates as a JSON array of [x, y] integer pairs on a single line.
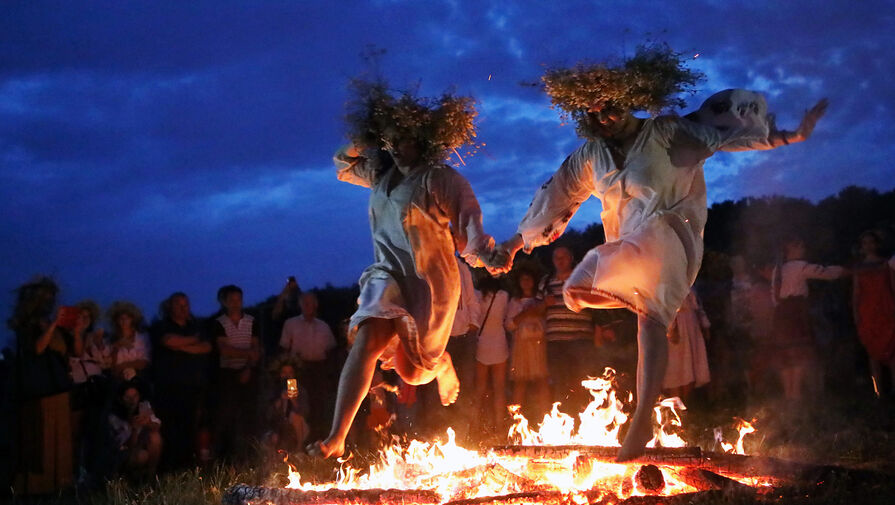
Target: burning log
[[730, 465], [514, 498], [667, 456], [650, 479], [482, 474], [705, 480], [242, 494]]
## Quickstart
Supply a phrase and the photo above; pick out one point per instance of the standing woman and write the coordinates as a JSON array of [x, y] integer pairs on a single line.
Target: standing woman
[[648, 176], [418, 207], [794, 348], [44, 453], [873, 303], [688, 364], [528, 363], [492, 352], [131, 354]]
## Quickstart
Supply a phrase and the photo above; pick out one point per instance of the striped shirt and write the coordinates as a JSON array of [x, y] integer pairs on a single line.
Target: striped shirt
[[238, 336], [562, 323]]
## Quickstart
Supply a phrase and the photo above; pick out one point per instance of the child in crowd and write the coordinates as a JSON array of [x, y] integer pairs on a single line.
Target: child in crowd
[[135, 432], [528, 362]]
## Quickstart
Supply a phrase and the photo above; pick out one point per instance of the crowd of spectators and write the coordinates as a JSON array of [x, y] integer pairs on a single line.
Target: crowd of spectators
[[96, 396]]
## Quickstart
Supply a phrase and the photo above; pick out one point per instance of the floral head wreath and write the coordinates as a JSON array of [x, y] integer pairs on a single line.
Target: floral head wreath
[[376, 117], [650, 81]]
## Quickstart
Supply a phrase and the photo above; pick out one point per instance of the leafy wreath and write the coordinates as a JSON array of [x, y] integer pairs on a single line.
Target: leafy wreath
[[652, 81], [377, 117]]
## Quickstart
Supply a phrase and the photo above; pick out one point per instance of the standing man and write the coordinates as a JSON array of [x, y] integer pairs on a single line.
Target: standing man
[[239, 347], [311, 340], [569, 335], [180, 370]]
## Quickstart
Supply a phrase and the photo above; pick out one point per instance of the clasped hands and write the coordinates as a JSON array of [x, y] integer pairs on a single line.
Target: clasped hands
[[500, 260]]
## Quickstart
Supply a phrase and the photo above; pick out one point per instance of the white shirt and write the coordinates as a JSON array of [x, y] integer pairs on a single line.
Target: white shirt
[[238, 336], [309, 340], [137, 351], [492, 346], [469, 309], [795, 274]]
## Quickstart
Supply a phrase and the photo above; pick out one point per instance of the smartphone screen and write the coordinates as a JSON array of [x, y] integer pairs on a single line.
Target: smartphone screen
[[292, 388]]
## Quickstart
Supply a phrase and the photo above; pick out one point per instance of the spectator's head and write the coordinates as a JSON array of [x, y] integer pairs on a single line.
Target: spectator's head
[[176, 308], [125, 318], [88, 314], [563, 260], [285, 367], [738, 266], [308, 303], [34, 302], [794, 248], [488, 284], [526, 281], [230, 298], [870, 243], [131, 398]]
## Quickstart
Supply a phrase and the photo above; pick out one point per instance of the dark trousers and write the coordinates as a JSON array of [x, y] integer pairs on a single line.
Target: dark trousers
[[234, 420], [179, 407], [434, 418], [315, 377], [569, 362]]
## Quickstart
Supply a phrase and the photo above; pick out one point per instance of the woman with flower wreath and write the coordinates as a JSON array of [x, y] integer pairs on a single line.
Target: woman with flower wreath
[[648, 175], [409, 295]]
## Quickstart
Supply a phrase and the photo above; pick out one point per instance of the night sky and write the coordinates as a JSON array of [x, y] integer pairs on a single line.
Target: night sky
[[150, 147]]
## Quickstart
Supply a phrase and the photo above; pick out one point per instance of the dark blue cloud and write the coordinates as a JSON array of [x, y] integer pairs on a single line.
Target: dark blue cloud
[[147, 147]]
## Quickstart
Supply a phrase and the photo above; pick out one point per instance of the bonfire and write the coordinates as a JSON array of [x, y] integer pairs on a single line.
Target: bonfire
[[562, 461]]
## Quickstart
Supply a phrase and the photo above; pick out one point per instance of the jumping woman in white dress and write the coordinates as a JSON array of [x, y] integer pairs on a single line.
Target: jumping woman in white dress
[[648, 175], [409, 294]]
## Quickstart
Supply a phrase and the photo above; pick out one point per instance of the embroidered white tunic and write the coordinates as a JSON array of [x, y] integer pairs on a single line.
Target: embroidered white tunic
[[654, 212], [414, 280]]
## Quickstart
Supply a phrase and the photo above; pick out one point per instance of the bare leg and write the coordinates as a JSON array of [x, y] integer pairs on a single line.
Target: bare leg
[[499, 380], [372, 339], [481, 391], [652, 359]]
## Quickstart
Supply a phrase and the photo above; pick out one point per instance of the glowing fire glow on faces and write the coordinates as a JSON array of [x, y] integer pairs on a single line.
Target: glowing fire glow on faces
[[456, 473]]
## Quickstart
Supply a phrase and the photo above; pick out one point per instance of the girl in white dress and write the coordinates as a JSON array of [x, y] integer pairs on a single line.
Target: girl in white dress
[[409, 294], [648, 175], [492, 352]]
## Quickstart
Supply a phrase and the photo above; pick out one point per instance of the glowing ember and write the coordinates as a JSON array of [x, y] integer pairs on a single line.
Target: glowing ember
[[563, 470]]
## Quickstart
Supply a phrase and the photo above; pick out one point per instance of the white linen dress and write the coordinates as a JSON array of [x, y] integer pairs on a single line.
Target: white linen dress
[[654, 212], [414, 280]]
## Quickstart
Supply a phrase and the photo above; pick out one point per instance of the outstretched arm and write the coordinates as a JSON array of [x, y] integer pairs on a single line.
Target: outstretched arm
[[556, 201], [777, 138]]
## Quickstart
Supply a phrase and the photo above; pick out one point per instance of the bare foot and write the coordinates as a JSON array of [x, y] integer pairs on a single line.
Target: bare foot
[[640, 432], [448, 383], [326, 448]]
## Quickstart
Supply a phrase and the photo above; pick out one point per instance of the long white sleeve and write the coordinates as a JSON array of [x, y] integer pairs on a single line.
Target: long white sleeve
[[454, 196], [559, 198]]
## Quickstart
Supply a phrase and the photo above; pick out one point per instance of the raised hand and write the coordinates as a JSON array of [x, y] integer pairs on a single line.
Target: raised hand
[[811, 117]]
